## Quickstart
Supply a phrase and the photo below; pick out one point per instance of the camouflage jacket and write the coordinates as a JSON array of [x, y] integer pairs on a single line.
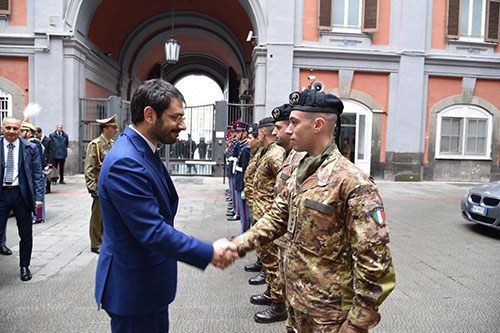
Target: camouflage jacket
[[249, 176], [337, 264], [265, 177], [284, 172], [96, 151]]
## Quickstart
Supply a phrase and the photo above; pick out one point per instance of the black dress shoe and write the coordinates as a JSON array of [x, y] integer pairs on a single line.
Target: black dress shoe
[[255, 267], [5, 250], [230, 214], [25, 274], [234, 218], [62, 182], [276, 312], [95, 250], [262, 299], [259, 279], [228, 199]]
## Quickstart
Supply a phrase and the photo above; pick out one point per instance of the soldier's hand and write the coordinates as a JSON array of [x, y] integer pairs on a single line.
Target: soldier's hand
[[94, 193], [38, 204], [243, 196], [225, 253]]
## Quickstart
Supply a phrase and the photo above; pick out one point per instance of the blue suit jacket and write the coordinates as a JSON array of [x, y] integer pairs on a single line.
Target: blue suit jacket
[[137, 268], [31, 182]]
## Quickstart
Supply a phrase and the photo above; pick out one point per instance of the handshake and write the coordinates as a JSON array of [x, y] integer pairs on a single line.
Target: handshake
[[225, 253]]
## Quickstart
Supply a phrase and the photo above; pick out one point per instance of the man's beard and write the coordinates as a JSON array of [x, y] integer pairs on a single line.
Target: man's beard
[[163, 135]]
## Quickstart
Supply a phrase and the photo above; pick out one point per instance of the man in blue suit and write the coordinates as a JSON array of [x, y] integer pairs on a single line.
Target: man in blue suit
[[137, 270], [22, 187]]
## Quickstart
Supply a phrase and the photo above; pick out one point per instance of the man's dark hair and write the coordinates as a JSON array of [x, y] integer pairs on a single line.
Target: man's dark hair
[[155, 93], [38, 130]]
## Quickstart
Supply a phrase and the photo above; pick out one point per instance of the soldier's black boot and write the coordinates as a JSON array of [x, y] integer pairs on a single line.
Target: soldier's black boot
[[233, 218], [255, 267], [259, 279], [262, 299], [276, 312]]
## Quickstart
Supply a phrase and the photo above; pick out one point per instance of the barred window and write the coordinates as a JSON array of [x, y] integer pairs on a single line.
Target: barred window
[[464, 131]]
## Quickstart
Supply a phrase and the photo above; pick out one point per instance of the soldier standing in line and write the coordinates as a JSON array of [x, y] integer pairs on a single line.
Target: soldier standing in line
[[281, 117], [239, 173], [272, 157], [96, 152], [255, 149], [338, 266], [232, 156]]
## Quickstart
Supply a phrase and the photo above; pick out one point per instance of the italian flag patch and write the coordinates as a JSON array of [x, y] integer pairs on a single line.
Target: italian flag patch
[[379, 215]]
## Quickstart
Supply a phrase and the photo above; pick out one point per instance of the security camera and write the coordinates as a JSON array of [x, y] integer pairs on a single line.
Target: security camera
[[318, 86], [250, 35], [311, 77]]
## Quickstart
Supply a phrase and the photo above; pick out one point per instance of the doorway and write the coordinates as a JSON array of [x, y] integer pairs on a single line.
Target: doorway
[[356, 134]]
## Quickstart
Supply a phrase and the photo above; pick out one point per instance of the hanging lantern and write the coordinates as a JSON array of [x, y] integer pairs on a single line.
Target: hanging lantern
[[172, 50]]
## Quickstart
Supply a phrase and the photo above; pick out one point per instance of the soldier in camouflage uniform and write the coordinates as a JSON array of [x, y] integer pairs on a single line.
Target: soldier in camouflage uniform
[[255, 150], [272, 157], [338, 267], [96, 152]]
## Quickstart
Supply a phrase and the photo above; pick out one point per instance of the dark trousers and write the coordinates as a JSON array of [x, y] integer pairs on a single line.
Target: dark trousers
[[59, 164], [11, 198], [152, 323]]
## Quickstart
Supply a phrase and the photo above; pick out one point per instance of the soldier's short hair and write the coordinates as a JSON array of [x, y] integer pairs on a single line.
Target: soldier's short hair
[[156, 93]]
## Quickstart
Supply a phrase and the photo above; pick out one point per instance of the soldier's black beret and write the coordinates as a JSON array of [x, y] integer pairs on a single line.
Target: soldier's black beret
[[266, 122], [312, 100], [281, 112], [252, 129]]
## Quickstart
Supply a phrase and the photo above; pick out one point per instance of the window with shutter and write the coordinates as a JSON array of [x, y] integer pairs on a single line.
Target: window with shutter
[[325, 15], [5, 7], [492, 20], [453, 19], [370, 16]]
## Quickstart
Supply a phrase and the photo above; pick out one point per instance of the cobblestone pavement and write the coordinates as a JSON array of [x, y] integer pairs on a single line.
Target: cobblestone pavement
[[447, 269]]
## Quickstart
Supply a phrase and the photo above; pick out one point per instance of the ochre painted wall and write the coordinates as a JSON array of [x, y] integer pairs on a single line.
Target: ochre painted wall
[[439, 25], [329, 78], [93, 90], [18, 13], [310, 30], [15, 69]]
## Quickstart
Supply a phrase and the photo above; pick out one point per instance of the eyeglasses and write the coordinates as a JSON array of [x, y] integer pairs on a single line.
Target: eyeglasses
[[178, 118]]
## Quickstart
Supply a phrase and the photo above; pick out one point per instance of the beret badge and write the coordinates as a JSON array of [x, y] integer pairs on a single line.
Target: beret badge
[[294, 98], [276, 113]]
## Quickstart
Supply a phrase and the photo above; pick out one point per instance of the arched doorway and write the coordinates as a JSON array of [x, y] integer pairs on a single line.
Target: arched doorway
[[193, 153], [357, 130]]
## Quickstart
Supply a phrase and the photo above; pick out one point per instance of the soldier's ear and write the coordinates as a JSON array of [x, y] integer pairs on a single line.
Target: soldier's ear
[[319, 124]]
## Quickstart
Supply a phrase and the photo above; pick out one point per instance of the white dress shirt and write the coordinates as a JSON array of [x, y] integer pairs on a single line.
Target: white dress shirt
[[15, 151]]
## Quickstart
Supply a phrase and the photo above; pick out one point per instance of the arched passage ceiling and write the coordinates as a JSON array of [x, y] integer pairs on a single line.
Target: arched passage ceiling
[[135, 31]]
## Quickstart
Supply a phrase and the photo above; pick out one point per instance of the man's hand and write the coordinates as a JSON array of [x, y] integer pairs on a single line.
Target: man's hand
[[243, 196], [225, 253], [38, 204]]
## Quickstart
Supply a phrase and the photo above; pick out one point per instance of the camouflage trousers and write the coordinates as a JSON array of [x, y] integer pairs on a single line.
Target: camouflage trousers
[[300, 322], [95, 230], [268, 255]]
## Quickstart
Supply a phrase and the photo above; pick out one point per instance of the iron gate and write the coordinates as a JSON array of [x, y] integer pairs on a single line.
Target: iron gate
[[99, 108], [192, 153]]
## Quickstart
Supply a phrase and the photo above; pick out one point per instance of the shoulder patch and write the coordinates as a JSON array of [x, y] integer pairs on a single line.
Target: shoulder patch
[[379, 215]]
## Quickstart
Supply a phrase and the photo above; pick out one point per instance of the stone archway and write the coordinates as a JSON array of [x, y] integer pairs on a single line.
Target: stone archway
[[17, 97]]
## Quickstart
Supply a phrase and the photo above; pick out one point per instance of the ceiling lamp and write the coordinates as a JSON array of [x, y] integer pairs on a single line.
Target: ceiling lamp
[[172, 46]]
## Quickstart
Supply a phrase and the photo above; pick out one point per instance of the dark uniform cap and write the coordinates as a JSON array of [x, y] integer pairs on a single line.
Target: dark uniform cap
[[233, 125], [252, 129], [241, 126], [266, 122], [111, 121], [282, 112], [311, 100]]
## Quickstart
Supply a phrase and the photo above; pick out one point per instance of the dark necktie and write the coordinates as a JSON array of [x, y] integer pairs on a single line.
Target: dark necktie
[[9, 175]]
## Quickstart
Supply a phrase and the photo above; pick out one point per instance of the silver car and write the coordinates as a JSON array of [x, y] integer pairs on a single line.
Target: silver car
[[481, 204]]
